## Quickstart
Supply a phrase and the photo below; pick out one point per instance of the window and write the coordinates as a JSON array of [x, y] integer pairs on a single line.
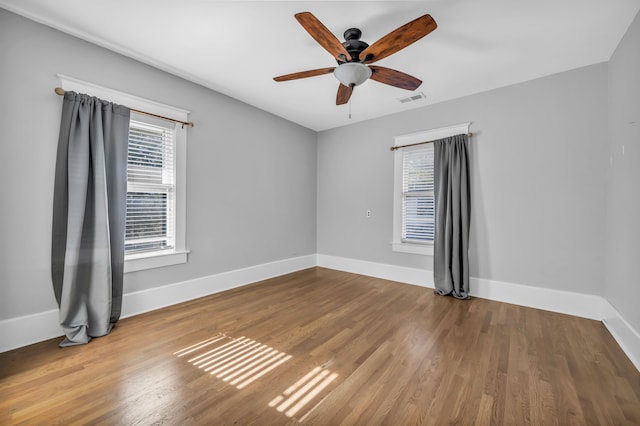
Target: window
[[156, 189], [156, 179], [151, 182], [418, 204], [414, 198]]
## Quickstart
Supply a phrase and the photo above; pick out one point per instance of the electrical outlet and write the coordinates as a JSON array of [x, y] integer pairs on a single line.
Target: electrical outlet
[[368, 213]]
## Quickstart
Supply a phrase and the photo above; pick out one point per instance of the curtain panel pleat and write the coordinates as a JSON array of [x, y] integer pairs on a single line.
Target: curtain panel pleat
[[89, 207], [453, 212]]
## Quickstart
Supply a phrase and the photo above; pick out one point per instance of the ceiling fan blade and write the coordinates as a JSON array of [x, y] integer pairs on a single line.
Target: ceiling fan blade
[[394, 78], [344, 93], [323, 36], [398, 39], [304, 74]]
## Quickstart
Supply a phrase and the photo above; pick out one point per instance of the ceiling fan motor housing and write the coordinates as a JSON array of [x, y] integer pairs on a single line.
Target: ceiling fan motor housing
[[353, 44]]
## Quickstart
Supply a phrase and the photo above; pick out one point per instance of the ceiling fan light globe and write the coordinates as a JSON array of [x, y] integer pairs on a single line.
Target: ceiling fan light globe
[[352, 73]]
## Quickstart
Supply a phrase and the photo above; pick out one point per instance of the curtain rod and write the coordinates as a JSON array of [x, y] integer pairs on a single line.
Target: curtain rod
[[60, 91], [393, 148]]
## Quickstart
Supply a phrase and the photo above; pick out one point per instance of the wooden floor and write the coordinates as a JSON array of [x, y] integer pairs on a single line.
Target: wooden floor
[[328, 347]]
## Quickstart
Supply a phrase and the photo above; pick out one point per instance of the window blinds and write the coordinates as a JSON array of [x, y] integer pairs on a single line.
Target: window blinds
[[418, 203], [150, 219]]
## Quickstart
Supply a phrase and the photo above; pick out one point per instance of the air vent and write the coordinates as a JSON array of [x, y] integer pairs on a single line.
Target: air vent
[[412, 98]]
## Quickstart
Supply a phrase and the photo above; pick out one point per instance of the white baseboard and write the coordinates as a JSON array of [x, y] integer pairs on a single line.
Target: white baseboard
[[565, 302], [627, 337], [415, 276], [581, 305], [29, 329]]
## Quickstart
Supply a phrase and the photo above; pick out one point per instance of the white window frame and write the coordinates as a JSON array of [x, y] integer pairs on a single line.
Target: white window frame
[[397, 245], [148, 260]]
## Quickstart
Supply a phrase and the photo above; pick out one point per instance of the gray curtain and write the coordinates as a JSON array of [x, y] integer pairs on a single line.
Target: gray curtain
[[89, 207], [453, 209]]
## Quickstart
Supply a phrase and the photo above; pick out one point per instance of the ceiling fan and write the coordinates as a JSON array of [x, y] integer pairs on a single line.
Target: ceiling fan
[[354, 55]]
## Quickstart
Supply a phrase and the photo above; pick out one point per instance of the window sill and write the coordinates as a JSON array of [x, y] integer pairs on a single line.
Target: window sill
[[422, 249], [140, 262]]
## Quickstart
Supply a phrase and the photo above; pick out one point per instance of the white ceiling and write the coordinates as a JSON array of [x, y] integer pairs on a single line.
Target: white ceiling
[[236, 48]]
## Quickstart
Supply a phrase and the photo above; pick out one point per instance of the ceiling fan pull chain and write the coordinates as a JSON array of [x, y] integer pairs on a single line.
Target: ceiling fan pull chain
[[350, 97]]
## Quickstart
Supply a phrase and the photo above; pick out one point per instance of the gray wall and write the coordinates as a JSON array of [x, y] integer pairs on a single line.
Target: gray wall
[[623, 197], [538, 159], [243, 166]]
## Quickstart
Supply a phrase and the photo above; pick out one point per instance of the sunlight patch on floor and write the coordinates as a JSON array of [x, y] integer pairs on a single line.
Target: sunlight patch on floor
[[238, 361], [199, 345], [301, 393]]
